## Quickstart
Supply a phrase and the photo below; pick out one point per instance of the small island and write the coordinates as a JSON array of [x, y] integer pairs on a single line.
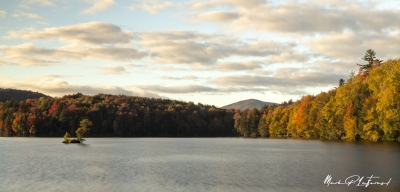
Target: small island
[[85, 125]]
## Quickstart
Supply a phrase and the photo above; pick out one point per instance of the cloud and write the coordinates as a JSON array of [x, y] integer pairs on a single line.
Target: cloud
[[99, 40], [184, 89], [208, 52], [27, 15], [24, 6], [26, 61], [98, 5], [350, 45], [291, 82], [72, 52], [300, 16], [186, 52], [187, 77], [93, 33], [3, 13], [42, 22], [216, 16], [59, 88], [2, 63], [238, 66], [41, 2], [51, 77], [205, 5], [225, 3], [154, 8], [178, 89], [115, 69], [246, 4], [174, 35], [287, 57]]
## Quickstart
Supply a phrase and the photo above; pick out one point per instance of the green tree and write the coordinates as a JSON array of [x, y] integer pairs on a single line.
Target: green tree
[[370, 58], [66, 137], [253, 122], [341, 82], [32, 130], [262, 126], [244, 124], [85, 125]]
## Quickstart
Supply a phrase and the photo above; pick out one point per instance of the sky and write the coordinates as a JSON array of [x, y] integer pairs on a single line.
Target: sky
[[212, 52]]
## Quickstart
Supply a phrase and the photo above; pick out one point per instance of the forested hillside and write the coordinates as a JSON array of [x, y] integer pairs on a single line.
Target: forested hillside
[[113, 115], [366, 106], [18, 95]]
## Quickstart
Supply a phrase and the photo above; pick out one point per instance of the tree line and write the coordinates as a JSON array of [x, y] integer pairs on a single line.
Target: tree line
[[365, 106], [113, 115]]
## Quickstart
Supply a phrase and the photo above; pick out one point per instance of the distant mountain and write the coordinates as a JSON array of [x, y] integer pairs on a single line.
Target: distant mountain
[[19, 95], [247, 104]]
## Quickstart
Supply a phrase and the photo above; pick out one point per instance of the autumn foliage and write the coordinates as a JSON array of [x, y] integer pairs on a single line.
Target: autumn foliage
[[366, 106], [113, 115]]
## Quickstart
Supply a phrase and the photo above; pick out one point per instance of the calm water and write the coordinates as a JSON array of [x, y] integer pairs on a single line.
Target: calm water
[[193, 164]]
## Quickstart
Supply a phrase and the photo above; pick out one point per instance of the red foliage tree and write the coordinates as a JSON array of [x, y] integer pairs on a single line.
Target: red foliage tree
[[53, 108]]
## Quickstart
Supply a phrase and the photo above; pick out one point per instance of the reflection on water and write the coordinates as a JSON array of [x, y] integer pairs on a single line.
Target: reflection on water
[[193, 164]]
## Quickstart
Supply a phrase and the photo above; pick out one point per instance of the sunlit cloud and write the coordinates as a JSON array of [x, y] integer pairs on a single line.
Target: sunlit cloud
[[155, 7], [98, 5], [3, 13], [70, 52], [216, 16], [115, 69], [48, 3], [27, 15], [88, 33]]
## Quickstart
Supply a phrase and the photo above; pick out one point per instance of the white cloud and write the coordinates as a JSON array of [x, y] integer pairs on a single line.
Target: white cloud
[[52, 77], [178, 89], [183, 89], [174, 35], [24, 6], [25, 3], [187, 77], [42, 22], [27, 15], [115, 69], [352, 45], [3, 13], [88, 33], [2, 63], [216, 16], [98, 5], [97, 40], [202, 5], [238, 66], [288, 81], [209, 51], [290, 57], [24, 61], [155, 7], [70, 52], [299, 17]]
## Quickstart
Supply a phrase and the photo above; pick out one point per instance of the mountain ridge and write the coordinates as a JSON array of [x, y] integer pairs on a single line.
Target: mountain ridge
[[248, 104], [18, 95]]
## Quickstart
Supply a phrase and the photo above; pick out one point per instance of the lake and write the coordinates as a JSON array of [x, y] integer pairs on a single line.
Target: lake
[[195, 164]]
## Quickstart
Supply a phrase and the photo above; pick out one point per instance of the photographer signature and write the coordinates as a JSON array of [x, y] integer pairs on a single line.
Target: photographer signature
[[356, 180]]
